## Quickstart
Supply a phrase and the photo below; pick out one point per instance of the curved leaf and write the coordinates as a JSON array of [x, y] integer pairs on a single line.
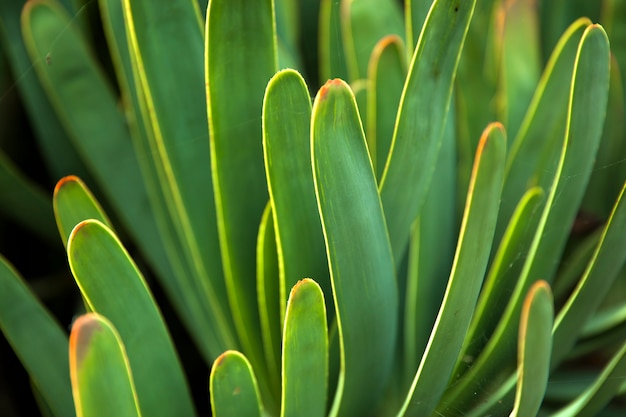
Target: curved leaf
[[359, 255], [305, 352], [233, 387], [101, 375], [112, 286], [466, 277]]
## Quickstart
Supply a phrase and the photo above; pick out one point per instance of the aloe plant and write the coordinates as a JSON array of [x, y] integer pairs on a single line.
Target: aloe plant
[[404, 241]]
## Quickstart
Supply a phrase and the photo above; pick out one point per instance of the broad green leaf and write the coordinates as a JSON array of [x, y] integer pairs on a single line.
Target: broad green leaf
[[240, 58], [168, 75], [359, 255], [517, 38], [112, 286], [502, 277], [101, 375], [305, 352], [73, 203], [582, 132], [268, 296], [534, 348], [541, 133], [23, 202], [37, 339], [61, 157], [332, 57], [233, 387], [593, 400], [363, 24], [416, 140], [602, 269], [386, 74], [287, 152], [466, 277]]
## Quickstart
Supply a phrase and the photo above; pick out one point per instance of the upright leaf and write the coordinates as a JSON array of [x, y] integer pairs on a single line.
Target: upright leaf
[[233, 387], [359, 255], [240, 54], [421, 116], [466, 277], [305, 352], [101, 376]]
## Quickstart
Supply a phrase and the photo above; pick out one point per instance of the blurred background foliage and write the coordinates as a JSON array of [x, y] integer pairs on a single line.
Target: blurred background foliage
[[30, 168]]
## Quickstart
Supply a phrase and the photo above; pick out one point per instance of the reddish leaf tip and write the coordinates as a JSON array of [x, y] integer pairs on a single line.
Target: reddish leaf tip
[[330, 83], [64, 181]]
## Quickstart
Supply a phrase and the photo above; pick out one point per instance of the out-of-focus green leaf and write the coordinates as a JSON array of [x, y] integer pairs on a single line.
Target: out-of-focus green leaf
[[386, 74], [608, 259], [359, 255], [112, 286], [38, 340], [517, 36], [534, 347], [466, 277], [573, 267], [363, 24], [61, 157], [240, 59], [101, 376], [305, 352], [415, 12], [287, 151], [332, 58], [503, 274], [168, 73], [73, 203], [23, 202], [416, 140], [288, 33], [233, 387], [582, 131], [601, 391], [268, 296]]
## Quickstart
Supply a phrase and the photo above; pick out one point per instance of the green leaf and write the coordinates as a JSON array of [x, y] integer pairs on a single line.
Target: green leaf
[[363, 24], [305, 352], [37, 339], [415, 12], [359, 255], [416, 140], [101, 375], [466, 277], [534, 347], [431, 253], [268, 295], [332, 57], [386, 73], [543, 128], [168, 74], [602, 269], [112, 286], [24, 202], [233, 387], [166, 251], [237, 72], [287, 152], [517, 36], [73, 203]]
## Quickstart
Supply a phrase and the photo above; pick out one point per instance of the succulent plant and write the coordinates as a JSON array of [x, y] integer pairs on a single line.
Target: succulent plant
[[407, 238]]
